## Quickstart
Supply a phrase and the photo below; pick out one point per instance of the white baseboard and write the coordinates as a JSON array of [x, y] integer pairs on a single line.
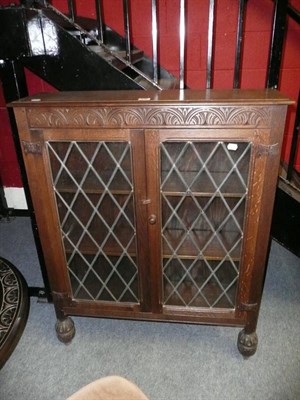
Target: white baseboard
[[15, 198]]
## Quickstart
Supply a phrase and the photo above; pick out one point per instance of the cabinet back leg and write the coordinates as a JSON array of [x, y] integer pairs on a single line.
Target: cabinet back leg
[[65, 329], [247, 343]]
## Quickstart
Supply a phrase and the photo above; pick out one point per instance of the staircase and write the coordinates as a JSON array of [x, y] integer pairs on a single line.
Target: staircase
[[71, 54]]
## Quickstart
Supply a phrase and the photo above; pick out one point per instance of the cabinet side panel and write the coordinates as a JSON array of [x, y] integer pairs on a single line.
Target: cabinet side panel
[[35, 159], [258, 165], [269, 155]]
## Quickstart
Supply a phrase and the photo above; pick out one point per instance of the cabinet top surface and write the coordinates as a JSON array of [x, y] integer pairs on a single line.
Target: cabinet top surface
[[212, 97]]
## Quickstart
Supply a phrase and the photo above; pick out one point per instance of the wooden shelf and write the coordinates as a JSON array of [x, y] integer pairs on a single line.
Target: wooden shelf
[[110, 248], [188, 250], [203, 183], [187, 293], [92, 185], [206, 257], [203, 194], [66, 189], [109, 251]]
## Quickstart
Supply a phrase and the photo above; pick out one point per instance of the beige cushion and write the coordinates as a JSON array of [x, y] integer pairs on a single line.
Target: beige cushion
[[109, 388]]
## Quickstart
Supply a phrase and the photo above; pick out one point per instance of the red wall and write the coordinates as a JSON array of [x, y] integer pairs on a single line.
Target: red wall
[[9, 168], [257, 37]]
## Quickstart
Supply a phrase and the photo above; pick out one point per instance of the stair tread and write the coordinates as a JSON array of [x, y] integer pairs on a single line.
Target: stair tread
[[165, 84], [136, 55]]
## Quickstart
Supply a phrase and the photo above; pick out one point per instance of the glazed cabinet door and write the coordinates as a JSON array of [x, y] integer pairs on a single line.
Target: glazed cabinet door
[[200, 188], [97, 186]]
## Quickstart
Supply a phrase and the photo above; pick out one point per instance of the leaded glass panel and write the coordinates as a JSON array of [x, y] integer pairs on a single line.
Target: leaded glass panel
[[203, 186], [95, 200]]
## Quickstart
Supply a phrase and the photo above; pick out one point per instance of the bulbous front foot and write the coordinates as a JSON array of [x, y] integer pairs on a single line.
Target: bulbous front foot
[[247, 343], [65, 329]]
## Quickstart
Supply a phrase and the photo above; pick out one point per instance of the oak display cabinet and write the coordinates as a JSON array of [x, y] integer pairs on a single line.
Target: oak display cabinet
[[154, 205]]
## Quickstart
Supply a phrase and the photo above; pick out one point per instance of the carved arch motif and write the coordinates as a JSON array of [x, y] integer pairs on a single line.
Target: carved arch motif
[[147, 116]]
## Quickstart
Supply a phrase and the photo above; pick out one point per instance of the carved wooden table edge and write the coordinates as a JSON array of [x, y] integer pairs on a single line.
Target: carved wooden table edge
[[14, 308]]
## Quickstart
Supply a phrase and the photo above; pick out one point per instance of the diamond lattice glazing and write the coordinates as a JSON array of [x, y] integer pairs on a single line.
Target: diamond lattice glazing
[[95, 201], [203, 195]]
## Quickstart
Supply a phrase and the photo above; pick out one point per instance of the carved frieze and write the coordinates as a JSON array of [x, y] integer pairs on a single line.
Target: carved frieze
[[149, 116]]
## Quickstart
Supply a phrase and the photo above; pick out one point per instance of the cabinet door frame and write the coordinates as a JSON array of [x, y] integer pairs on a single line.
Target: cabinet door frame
[[38, 166], [153, 138]]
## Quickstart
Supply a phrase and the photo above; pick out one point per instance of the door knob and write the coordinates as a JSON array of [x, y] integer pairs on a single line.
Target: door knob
[[152, 219]]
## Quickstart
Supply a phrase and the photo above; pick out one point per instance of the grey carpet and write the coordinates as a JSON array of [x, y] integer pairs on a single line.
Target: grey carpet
[[167, 361]]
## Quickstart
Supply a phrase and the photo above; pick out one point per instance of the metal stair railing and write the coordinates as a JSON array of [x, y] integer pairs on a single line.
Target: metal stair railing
[[282, 9], [127, 61], [127, 23]]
